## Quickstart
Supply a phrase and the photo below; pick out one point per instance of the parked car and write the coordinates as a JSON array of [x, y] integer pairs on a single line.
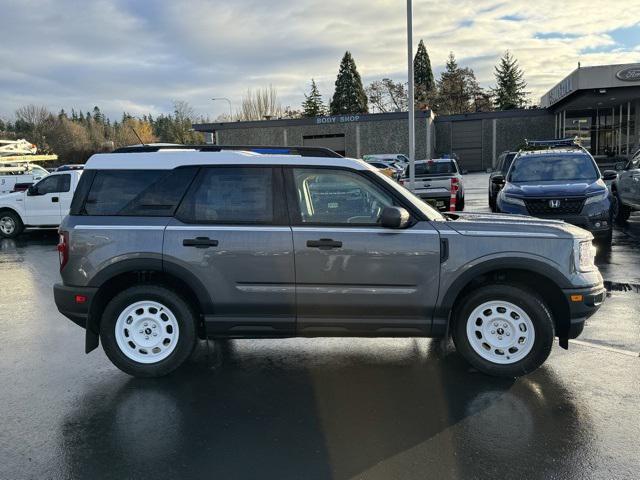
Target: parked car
[[560, 183], [12, 173], [496, 179], [625, 189], [160, 249], [71, 166], [438, 182], [42, 205], [391, 170]]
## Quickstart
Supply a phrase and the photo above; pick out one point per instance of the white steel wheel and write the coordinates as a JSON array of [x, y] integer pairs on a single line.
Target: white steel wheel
[[500, 332], [147, 332], [7, 225]]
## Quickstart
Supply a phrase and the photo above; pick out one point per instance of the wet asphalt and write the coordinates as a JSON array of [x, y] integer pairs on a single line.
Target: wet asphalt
[[314, 408]]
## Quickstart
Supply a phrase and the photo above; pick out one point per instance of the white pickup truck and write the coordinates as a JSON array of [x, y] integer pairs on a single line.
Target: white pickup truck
[[439, 183], [43, 205]]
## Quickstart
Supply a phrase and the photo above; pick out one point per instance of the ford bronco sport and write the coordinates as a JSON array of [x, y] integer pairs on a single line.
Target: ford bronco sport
[[164, 246]]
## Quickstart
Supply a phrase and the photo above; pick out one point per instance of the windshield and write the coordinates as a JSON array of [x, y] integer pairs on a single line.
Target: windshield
[[433, 168], [552, 168]]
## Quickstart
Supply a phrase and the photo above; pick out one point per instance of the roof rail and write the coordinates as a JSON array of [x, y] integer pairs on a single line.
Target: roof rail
[[267, 150], [556, 143]]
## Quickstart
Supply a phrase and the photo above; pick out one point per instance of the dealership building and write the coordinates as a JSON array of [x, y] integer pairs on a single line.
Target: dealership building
[[600, 105]]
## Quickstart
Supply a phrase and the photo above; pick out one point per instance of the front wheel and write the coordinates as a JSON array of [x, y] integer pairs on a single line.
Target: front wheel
[[10, 224], [148, 330], [620, 211], [503, 330]]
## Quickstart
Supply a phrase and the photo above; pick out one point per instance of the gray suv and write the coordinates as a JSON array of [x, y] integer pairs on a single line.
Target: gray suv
[[164, 247]]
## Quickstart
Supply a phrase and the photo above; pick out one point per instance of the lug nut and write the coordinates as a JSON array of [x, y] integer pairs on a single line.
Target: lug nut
[[493, 332], [154, 326], [155, 334], [146, 324], [508, 334], [499, 337], [146, 337]]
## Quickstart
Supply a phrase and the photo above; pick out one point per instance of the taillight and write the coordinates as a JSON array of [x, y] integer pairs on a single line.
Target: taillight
[[63, 248], [401, 181], [455, 185]]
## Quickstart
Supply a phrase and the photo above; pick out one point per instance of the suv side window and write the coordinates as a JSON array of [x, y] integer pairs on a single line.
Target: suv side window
[[337, 197], [137, 192], [232, 195], [54, 184]]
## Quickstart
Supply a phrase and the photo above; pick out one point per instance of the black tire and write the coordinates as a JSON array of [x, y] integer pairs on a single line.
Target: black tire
[[460, 203], [531, 303], [621, 212], [184, 315], [606, 240], [8, 215], [492, 203]]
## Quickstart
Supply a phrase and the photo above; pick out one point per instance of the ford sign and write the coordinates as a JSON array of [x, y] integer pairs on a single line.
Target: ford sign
[[631, 74]]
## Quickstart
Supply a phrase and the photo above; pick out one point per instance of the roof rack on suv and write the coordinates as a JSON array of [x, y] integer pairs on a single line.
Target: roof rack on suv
[[571, 142], [301, 151]]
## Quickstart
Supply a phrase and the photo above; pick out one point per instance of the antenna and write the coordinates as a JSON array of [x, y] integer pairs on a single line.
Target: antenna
[[138, 136]]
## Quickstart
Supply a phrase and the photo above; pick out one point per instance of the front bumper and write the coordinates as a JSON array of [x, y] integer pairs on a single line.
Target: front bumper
[[583, 303], [66, 299]]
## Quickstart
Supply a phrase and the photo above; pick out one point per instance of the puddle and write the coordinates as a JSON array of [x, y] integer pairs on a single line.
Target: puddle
[[621, 287]]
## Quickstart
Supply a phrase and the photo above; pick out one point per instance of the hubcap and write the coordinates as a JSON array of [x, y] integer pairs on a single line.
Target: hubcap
[[147, 332], [7, 225], [500, 332]]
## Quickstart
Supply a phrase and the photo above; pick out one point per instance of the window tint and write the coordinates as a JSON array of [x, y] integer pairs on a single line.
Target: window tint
[[54, 184], [338, 197], [137, 192], [230, 195]]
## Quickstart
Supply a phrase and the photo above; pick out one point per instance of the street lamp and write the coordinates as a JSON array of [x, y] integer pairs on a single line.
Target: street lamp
[[228, 101], [411, 102]]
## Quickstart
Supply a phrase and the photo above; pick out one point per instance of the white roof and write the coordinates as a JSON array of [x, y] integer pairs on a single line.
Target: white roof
[[169, 159]]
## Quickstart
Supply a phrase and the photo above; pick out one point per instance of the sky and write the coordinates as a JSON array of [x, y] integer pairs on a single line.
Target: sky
[[141, 55]]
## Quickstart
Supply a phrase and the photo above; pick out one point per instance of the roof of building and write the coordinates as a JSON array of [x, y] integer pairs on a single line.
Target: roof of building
[[169, 159]]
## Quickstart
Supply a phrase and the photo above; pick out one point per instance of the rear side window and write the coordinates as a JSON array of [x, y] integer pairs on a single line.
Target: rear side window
[[230, 195], [137, 192]]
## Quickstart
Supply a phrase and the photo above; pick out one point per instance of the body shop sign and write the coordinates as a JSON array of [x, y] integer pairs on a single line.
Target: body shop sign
[[631, 74], [338, 119]]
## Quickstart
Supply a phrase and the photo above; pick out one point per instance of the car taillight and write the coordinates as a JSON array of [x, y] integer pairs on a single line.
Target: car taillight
[[63, 248], [455, 185]]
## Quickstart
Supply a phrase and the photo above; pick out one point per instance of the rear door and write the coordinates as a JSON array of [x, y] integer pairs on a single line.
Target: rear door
[[629, 182], [43, 205], [231, 233], [354, 277]]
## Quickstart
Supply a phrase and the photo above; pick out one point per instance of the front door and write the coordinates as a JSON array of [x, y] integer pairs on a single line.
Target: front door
[[354, 277], [629, 182], [231, 232], [42, 205]]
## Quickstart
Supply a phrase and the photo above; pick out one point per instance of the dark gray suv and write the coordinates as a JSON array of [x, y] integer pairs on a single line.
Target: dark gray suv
[[164, 247]]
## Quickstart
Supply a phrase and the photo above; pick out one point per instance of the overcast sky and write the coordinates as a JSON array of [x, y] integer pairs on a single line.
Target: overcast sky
[[139, 56]]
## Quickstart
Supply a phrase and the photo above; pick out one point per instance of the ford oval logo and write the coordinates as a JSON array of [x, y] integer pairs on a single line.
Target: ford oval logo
[[631, 74], [554, 203]]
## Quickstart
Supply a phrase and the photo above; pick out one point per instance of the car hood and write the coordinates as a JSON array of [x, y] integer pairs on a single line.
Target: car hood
[[499, 225], [554, 189]]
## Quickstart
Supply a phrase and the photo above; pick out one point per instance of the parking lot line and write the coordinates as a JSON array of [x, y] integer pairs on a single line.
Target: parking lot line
[[604, 347]]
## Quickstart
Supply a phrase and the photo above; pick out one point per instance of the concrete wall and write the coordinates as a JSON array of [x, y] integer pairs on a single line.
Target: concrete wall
[[388, 136]]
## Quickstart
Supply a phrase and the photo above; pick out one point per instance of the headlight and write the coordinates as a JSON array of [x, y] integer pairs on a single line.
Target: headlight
[[597, 198], [585, 255], [513, 200]]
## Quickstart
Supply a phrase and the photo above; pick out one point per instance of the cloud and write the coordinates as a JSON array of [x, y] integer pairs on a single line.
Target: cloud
[[139, 56]]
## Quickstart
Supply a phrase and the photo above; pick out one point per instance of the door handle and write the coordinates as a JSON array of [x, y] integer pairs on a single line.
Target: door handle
[[55, 199], [199, 242], [324, 244]]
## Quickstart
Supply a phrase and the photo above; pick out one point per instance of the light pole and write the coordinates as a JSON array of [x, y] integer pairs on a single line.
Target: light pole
[[229, 102], [411, 102]]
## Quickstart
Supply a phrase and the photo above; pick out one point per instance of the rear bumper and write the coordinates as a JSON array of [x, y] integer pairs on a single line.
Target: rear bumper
[[68, 305], [583, 303]]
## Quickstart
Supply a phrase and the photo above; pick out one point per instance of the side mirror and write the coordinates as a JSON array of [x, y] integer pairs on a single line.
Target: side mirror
[[609, 175], [32, 191], [394, 217], [498, 179], [619, 166]]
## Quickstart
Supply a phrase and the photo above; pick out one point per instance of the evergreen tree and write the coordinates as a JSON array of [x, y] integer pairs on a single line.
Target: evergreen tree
[[424, 83], [313, 105], [62, 114], [458, 89], [349, 96], [97, 115], [509, 91]]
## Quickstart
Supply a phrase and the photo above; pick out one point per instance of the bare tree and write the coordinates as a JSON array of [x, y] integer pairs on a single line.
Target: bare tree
[[34, 115], [260, 104], [387, 96]]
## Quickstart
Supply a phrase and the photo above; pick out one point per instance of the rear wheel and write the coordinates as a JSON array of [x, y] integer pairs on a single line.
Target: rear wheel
[[10, 224], [148, 330], [503, 330]]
